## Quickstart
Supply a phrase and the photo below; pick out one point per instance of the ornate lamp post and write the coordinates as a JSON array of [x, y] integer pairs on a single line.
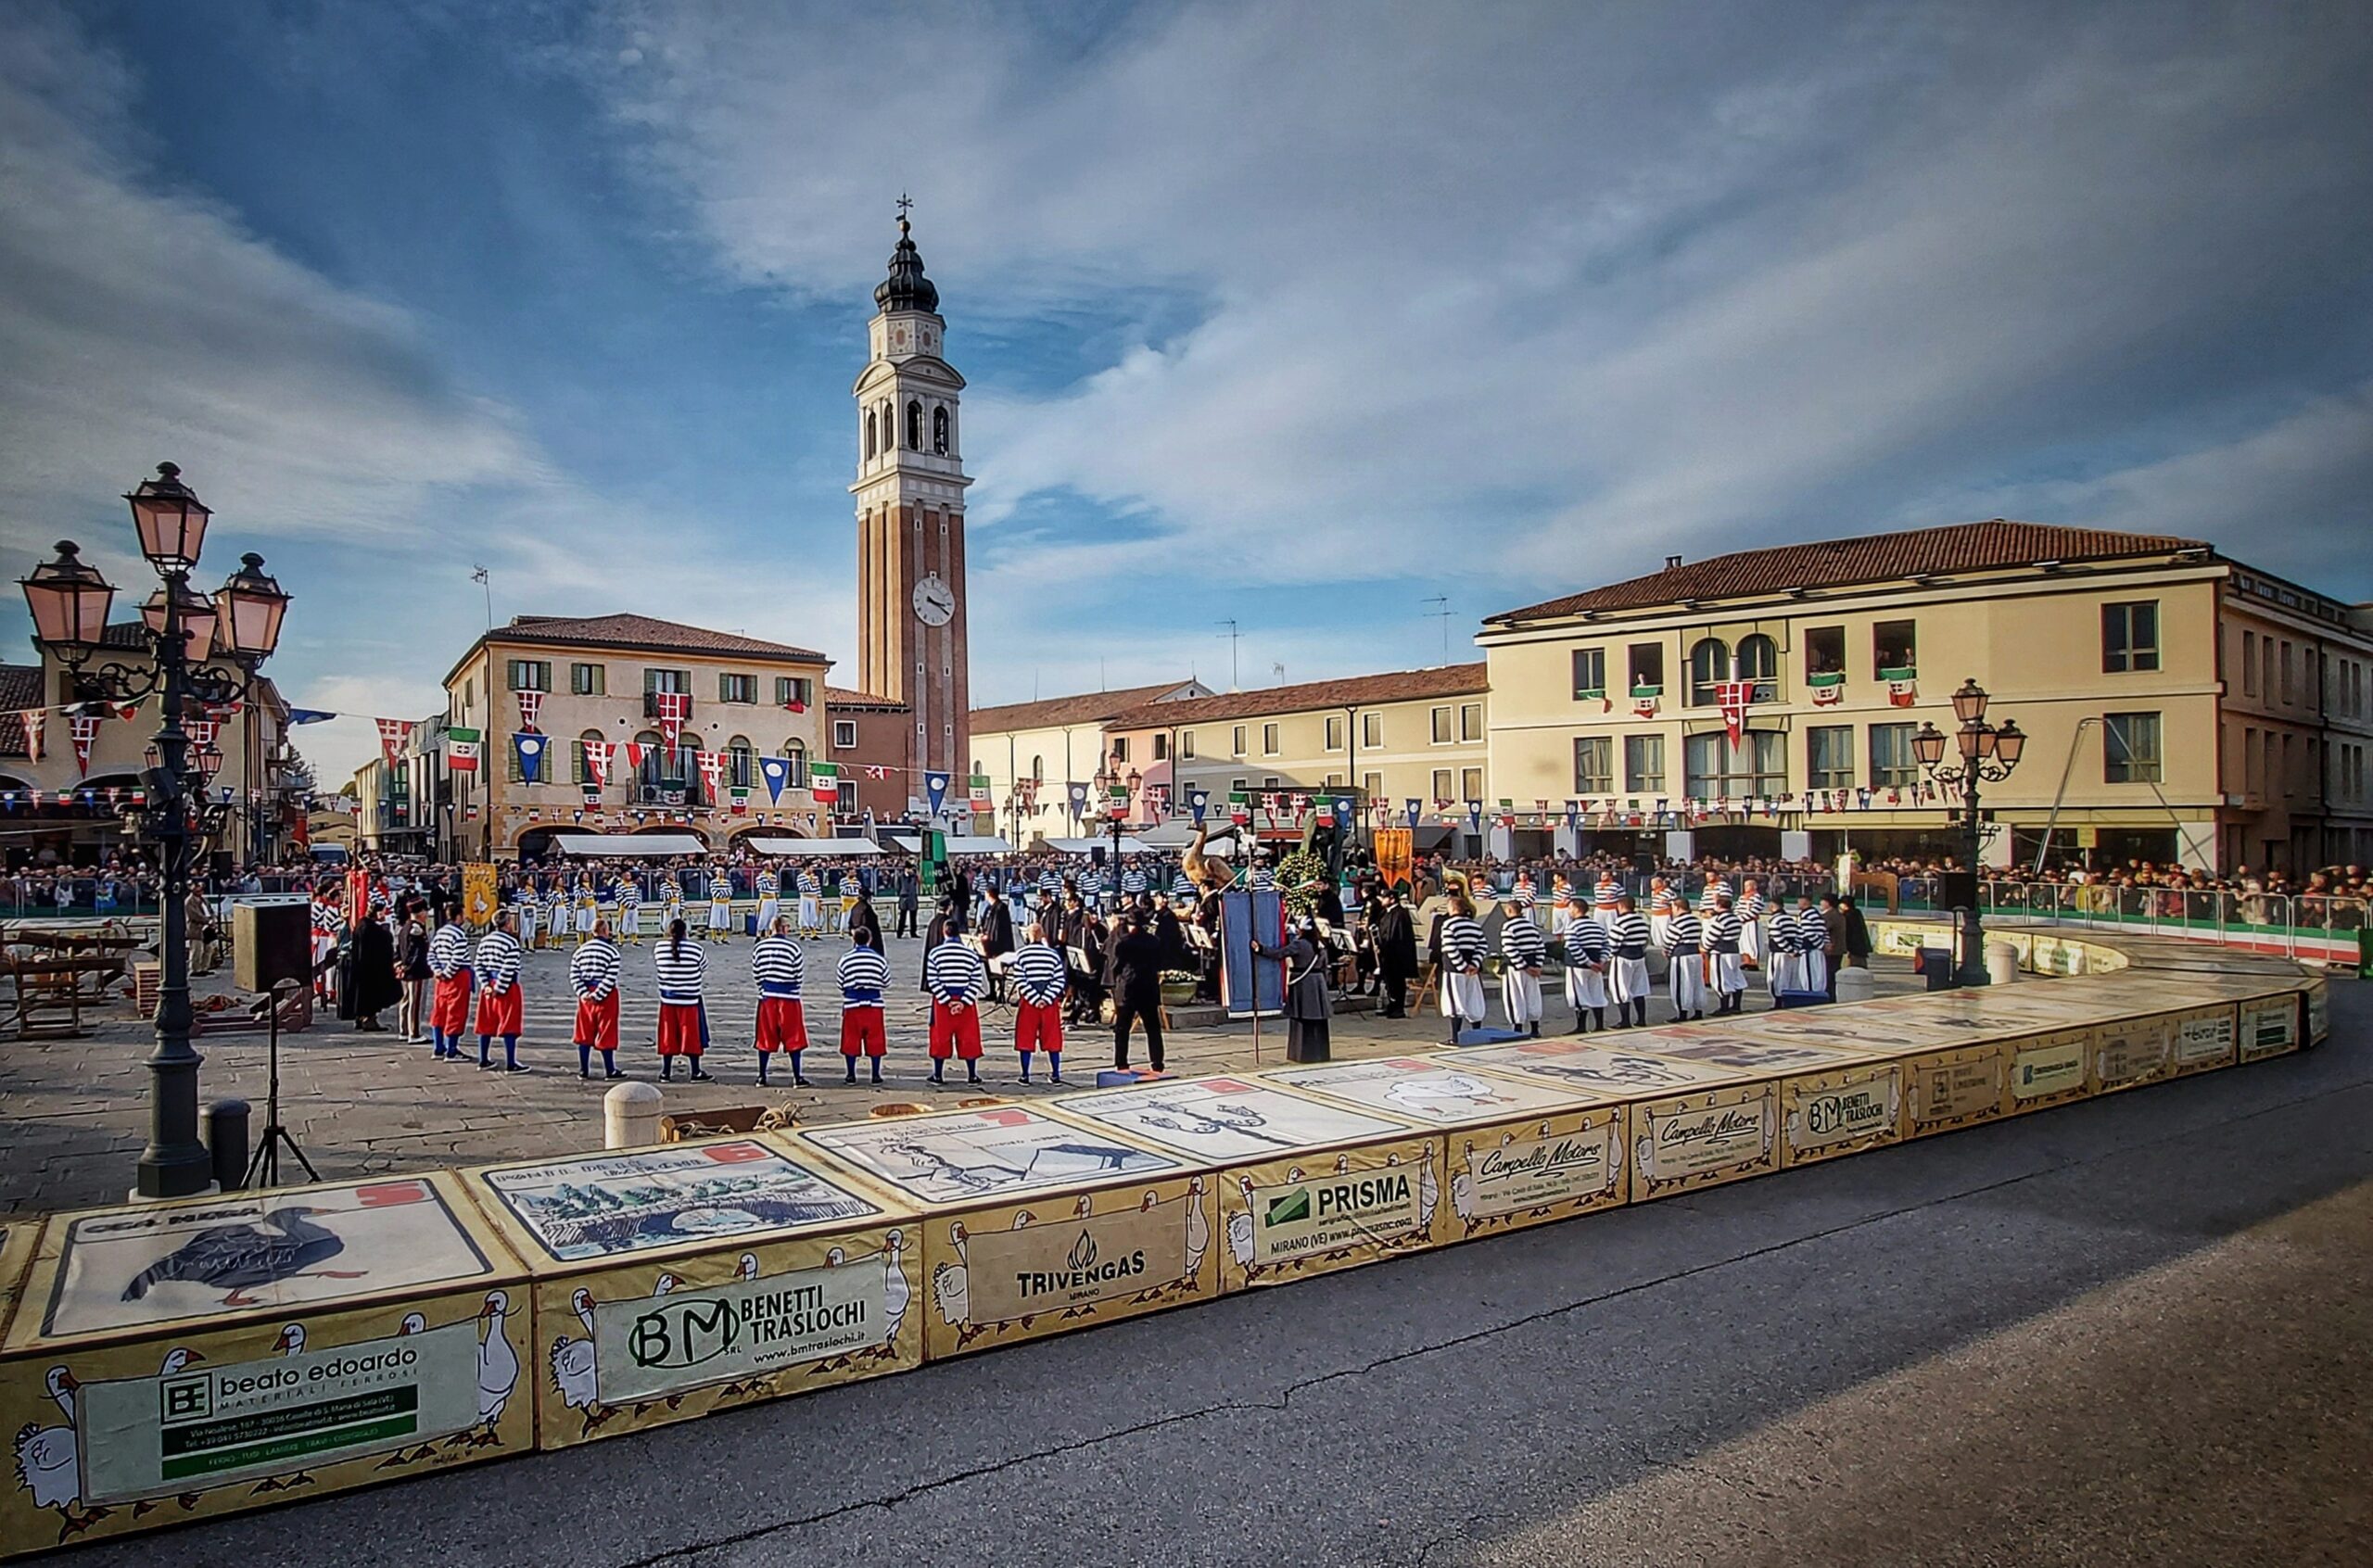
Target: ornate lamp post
[[1988, 754], [205, 653]]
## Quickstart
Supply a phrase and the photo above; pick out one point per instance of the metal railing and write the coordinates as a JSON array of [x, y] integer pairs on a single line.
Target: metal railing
[[2312, 926]]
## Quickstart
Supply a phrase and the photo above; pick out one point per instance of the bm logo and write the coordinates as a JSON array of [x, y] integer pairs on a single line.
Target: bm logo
[[684, 1334]]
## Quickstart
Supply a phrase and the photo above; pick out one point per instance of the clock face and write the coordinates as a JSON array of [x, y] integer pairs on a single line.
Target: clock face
[[934, 602]]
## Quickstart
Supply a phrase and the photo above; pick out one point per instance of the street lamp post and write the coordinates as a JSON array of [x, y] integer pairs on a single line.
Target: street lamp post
[[1990, 753], [186, 632]]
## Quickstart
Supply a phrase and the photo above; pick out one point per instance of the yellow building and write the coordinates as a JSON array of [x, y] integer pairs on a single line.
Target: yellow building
[[601, 679], [1048, 745], [2118, 654]]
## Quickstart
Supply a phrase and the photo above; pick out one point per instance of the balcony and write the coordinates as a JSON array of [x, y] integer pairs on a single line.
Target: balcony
[[651, 705], [679, 794]]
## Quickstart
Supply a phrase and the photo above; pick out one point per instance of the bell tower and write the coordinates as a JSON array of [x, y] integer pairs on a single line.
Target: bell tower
[[909, 491]]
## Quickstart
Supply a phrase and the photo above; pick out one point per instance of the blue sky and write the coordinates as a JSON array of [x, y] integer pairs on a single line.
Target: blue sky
[[1309, 311]]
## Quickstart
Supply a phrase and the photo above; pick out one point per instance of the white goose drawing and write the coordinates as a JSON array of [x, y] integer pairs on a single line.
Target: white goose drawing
[[49, 1462]]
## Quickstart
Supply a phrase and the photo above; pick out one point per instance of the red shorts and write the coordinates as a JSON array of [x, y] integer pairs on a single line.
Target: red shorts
[[783, 1024], [450, 1014], [679, 1029], [1038, 1026], [597, 1023], [502, 1014], [861, 1030], [955, 1033]]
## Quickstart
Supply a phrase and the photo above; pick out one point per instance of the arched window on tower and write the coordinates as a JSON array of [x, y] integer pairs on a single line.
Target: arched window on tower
[[796, 750], [1709, 662], [1758, 660], [654, 771], [581, 769], [939, 431], [915, 425], [869, 440], [741, 762]]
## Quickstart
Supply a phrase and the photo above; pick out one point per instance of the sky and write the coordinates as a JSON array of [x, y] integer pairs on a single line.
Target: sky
[[1305, 316]]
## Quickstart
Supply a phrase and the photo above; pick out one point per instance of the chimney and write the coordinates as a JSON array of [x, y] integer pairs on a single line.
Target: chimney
[[1672, 563]]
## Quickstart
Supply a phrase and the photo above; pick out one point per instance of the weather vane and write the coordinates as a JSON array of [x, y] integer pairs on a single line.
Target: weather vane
[[904, 201]]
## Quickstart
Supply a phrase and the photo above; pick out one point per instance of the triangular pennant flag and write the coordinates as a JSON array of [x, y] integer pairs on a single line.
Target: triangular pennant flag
[[309, 716], [34, 719], [1475, 816], [597, 763], [83, 727], [1413, 810], [673, 708], [1732, 697], [531, 757], [531, 707], [775, 772], [935, 791], [876, 770], [1197, 801], [201, 732], [635, 751], [393, 733], [463, 748], [1077, 795]]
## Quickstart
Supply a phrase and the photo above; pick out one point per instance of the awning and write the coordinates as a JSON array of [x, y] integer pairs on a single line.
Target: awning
[[957, 843], [1129, 845], [813, 847], [1178, 835], [628, 845]]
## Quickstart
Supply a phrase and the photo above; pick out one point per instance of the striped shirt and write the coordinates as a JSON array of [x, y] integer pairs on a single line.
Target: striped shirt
[[1627, 933], [1714, 890], [954, 973], [778, 965], [1040, 974], [497, 961], [1723, 932], [1522, 943], [555, 903], [810, 885], [1751, 905], [1463, 944], [1685, 933], [1049, 885], [630, 894], [1132, 882], [720, 885], [683, 967], [1607, 891], [594, 970], [448, 951], [863, 973], [1585, 942], [770, 885], [1180, 887]]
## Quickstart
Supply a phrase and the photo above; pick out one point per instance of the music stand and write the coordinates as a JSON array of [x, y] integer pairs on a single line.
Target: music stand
[[266, 1159]]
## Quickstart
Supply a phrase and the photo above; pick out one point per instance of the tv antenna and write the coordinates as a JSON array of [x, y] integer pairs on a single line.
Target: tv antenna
[[478, 574], [1441, 615], [1234, 637]]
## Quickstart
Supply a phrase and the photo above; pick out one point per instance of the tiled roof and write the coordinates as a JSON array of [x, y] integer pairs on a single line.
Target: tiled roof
[[1873, 557], [1400, 686], [840, 697], [1088, 707], [643, 632], [20, 688]]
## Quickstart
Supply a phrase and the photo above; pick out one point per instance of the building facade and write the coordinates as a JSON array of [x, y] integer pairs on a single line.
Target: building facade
[[2114, 652], [1031, 753]]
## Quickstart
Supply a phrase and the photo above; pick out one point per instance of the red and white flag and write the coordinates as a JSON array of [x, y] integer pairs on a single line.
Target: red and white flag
[[201, 732], [674, 707], [634, 755], [34, 719], [876, 770], [597, 763], [84, 728], [393, 733], [712, 770], [1732, 697], [531, 707]]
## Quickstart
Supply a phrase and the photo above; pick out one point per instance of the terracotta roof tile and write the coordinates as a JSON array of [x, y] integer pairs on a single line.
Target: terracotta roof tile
[[643, 632], [842, 696], [1400, 686], [20, 688], [1872, 558], [1053, 713]]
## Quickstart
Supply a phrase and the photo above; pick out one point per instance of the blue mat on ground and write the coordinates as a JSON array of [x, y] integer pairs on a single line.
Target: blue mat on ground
[[1490, 1036]]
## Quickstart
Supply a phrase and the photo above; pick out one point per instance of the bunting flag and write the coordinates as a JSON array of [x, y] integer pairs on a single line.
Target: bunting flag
[[1903, 687], [1240, 809], [1732, 697], [774, 772], [1475, 817], [309, 716], [824, 782], [201, 732], [740, 800], [1343, 810], [1643, 700], [531, 757], [597, 763], [1413, 810], [635, 751], [1197, 801], [463, 748], [85, 729], [876, 770], [34, 719], [1573, 816], [1828, 688], [1078, 793], [393, 733], [531, 707], [674, 708], [712, 766]]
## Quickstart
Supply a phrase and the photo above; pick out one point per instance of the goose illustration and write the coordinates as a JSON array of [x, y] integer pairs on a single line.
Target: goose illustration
[[951, 1289], [1198, 1235], [1430, 1192], [413, 1323], [290, 1343], [498, 1368], [49, 1462], [236, 1258], [745, 1269], [664, 1285], [177, 1361], [574, 1371], [1440, 1094], [1462, 1189], [1023, 1218], [1239, 1229], [895, 1294]]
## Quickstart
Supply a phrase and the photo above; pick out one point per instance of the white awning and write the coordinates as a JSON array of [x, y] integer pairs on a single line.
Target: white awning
[[813, 848], [1130, 844], [957, 843], [1178, 835], [615, 845]]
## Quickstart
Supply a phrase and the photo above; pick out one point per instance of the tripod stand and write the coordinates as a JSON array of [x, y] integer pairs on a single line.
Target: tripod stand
[[266, 1160]]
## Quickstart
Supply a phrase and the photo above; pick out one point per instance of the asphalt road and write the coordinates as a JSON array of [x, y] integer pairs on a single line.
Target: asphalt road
[[2129, 1330]]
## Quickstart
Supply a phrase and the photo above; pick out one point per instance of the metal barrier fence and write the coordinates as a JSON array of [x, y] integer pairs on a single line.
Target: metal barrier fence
[[2307, 926]]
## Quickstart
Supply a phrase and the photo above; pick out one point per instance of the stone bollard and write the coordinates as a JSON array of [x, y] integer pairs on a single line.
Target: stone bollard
[[1854, 984], [631, 1116], [2001, 963]]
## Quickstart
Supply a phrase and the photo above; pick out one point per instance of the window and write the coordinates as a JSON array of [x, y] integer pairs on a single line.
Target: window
[[1829, 757], [1038, 767], [870, 432], [1758, 660], [666, 680], [939, 431], [1441, 784], [1333, 732], [1894, 651], [1824, 651], [1120, 748], [915, 427], [797, 773], [1441, 726], [531, 675], [654, 771], [1235, 741], [1239, 786], [741, 762], [1470, 721], [1709, 662], [2253, 768], [1643, 764], [1756, 765], [794, 692], [1647, 669], [2249, 664], [1270, 783], [1268, 740], [1161, 748], [2130, 637], [588, 681], [1372, 785], [737, 688], [1371, 730], [843, 734], [1334, 781], [1590, 674], [1594, 765], [1893, 766], [1471, 783], [2266, 659], [2286, 671], [2130, 749], [469, 695], [1186, 745], [579, 769]]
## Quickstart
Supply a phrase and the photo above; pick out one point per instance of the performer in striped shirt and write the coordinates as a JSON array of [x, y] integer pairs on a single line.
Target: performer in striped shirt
[[500, 1007], [720, 904], [1605, 897], [957, 980], [778, 965], [594, 972], [682, 969], [1661, 904], [1586, 956], [589, 905], [671, 901], [1722, 963], [1684, 946], [811, 902], [1459, 947], [768, 885], [448, 960], [630, 909], [863, 975], [1132, 882], [1750, 909], [555, 932], [526, 901], [1523, 949], [1182, 889], [1040, 975], [1627, 964]]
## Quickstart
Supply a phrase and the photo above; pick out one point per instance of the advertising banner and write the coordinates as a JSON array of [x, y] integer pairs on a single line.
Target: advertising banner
[[2131, 1050], [1700, 1140], [1288, 1219], [1957, 1087], [2269, 1026], [2048, 1069], [1840, 1112], [2204, 1038]]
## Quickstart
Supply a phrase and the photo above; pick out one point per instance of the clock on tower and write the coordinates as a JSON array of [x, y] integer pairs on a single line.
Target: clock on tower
[[909, 491]]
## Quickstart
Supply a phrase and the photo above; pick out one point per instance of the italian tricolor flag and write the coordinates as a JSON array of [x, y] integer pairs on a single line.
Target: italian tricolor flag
[[824, 779], [461, 749]]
